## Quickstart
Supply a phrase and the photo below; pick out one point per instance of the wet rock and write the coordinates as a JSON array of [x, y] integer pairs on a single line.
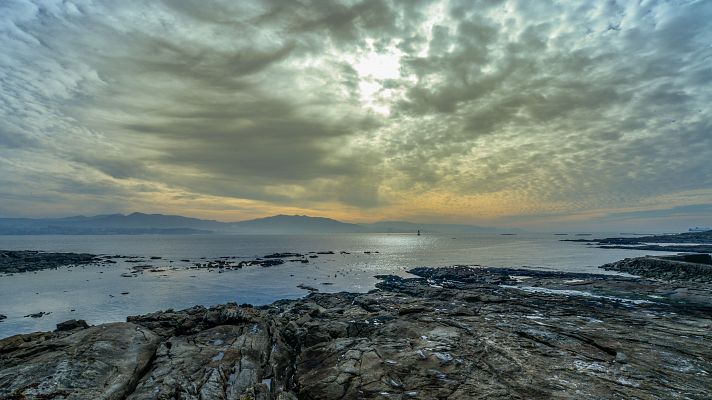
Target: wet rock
[[270, 263], [307, 287], [283, 255], [683, 242], [71, 325], [37, 315], [12, 261], [690, 267], [2, 317]]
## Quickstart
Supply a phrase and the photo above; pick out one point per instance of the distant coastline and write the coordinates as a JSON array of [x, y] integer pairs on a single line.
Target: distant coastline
[[147, 224]]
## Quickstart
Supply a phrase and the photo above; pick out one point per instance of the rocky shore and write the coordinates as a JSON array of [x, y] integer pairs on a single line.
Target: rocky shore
[[18, 261], [687, 267], [687, 238], [688, 248], [454, 333], [29, 260], [693, 242]]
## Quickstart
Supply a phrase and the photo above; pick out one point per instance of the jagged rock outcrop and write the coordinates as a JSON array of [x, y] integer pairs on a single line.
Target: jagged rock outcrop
[[458, 334]]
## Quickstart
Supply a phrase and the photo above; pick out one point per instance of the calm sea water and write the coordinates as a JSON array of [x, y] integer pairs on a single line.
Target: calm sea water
[[94, 293]]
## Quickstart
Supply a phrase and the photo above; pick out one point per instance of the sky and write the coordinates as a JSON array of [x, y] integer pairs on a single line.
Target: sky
[[517, 113]]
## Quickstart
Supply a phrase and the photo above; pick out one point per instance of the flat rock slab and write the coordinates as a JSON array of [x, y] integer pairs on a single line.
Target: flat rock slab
[[101, 362]]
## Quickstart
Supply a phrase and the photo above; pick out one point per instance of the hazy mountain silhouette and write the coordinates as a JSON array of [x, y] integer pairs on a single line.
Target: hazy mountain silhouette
[[140, 223], [111, 224], [294, 224]]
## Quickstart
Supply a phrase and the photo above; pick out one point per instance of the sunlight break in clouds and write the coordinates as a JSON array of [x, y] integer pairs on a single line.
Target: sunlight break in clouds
[[513, 113]]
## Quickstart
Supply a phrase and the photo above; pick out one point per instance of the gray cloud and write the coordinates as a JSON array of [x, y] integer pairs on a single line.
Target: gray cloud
[[372, 106]]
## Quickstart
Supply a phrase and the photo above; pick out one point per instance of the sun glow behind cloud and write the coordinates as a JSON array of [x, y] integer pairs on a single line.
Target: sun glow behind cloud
[[470, 111], [376, 69]]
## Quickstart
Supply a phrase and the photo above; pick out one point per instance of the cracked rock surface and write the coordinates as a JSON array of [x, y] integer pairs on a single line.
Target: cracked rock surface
[[100, 362], [457, 333]]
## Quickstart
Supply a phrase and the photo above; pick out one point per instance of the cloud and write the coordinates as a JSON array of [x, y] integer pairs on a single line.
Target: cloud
[[692, 210], [472, 110]]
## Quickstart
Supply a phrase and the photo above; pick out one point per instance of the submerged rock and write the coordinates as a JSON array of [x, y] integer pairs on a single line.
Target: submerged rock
[[283, 255], [452, 334], [37, 315], [307, 288]]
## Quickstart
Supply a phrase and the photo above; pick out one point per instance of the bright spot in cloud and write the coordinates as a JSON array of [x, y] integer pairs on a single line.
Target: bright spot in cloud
[[379, 66], [373, 69]]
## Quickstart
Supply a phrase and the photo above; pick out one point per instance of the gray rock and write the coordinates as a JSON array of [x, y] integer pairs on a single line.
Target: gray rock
[[104, 362], [37, 315], [14, 261], [689, 267], [71, 325]]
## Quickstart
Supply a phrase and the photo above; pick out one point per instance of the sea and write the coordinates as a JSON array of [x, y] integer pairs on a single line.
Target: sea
[[104, 293]]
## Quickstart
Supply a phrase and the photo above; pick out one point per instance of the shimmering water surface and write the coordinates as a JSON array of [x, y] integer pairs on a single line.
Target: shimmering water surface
[[94, 292]]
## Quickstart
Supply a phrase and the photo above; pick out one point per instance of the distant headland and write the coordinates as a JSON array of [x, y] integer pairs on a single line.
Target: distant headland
[[139, 223]]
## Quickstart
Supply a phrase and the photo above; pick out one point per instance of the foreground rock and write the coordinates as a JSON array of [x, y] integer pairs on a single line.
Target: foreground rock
[[457, 333], [29, 260], [104, 361]]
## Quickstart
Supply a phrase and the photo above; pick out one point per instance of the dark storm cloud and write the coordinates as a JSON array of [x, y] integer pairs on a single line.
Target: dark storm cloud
[[558, 107]]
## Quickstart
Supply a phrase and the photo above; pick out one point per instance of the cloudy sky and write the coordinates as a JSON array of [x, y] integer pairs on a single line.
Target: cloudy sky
[[537, 114]]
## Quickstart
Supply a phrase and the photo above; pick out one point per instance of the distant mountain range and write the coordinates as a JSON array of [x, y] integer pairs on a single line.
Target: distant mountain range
[[139, 223]]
